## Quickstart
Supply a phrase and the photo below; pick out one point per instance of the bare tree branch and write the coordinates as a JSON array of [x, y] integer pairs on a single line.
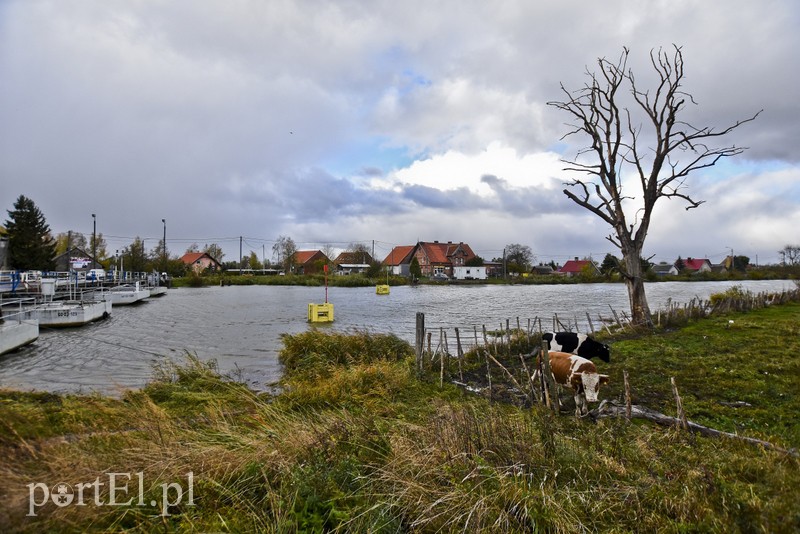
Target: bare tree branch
[[662, 161]]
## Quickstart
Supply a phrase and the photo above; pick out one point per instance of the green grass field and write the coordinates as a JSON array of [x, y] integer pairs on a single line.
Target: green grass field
[[355, 442]]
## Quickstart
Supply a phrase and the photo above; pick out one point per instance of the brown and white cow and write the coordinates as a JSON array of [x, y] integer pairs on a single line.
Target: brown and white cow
[[578, 374]]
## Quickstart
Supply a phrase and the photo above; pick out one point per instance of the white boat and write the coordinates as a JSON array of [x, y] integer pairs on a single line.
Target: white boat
[[127, 294], [16, 334], [15, 331], [157, 291], [67, 313]]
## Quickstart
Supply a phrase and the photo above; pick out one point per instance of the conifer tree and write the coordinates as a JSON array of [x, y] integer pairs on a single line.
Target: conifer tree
[[30, 244]]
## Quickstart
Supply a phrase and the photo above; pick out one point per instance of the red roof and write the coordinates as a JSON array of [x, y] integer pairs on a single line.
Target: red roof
[[192, 257], [442, 252], [694, 264], [398, 254], [302, 257], [574, 266]]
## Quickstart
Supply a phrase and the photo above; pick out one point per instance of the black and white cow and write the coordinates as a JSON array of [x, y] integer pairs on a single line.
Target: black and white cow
[[579, 344]]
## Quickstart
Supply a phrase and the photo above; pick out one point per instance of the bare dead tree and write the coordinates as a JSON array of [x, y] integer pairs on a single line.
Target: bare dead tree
[[649, 139]]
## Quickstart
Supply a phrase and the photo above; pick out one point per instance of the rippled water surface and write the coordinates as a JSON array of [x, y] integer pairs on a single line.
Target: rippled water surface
[[240, 326]]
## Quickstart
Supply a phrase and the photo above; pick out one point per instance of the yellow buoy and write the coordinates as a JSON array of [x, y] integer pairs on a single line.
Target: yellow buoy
[[320, 313], [382, 289]]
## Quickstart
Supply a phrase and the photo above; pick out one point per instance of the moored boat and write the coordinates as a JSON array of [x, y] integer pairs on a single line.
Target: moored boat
[[15, 331], [68, 313], [157, 291], [128, 294]]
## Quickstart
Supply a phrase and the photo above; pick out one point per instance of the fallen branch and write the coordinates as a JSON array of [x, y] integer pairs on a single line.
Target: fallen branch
[[612, 409]]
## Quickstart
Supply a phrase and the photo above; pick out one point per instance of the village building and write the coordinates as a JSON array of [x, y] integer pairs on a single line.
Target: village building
[[470, 272], [542, 269], [76, 259], [665, 269], [308, 261], [398, 261], [200, 261], [352, 262], [494, 269], [437, 258], [577, 267], [695, 265]]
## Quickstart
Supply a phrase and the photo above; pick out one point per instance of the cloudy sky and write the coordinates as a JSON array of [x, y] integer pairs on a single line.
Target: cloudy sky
[[385, 121]]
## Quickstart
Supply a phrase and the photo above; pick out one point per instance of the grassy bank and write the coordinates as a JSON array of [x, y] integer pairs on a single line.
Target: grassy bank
[[356, 442]]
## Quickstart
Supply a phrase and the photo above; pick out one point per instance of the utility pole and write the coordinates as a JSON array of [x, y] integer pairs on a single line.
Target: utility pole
[[94, 240], [165, 245]]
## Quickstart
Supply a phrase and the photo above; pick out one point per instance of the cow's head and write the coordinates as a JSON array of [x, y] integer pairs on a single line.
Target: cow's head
[[588, 384], [600, 350]]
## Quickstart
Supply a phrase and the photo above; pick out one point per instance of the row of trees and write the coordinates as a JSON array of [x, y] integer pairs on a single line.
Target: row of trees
[[32, 246]]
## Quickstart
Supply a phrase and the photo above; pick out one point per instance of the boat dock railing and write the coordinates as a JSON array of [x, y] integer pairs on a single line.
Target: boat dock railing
[[70, 284], [13, 309]]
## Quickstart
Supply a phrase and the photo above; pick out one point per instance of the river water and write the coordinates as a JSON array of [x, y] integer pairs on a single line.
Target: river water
[[240, 326]]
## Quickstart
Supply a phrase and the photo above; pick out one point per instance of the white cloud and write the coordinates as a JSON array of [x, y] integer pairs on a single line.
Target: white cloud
[[454, 169]]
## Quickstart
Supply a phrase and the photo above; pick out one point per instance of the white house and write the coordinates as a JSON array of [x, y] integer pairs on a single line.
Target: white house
[[464, 272]]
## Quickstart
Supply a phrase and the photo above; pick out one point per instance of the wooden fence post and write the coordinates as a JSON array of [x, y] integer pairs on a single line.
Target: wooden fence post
[[460, 352], [550, 390], [488, 368], [442, 343], [430, 350], [627, 395], [420, 341]]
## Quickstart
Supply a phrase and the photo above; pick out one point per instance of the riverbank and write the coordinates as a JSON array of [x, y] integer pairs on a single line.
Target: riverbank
[[361, 280], [355, 442]]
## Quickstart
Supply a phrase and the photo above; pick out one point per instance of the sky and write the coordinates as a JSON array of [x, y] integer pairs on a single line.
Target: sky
[[381, 122]]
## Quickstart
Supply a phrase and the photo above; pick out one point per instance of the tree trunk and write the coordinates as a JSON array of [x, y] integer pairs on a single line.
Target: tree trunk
[[634, 280]]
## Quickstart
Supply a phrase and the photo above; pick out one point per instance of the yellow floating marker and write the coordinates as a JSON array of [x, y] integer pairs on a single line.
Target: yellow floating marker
[[382, 289], [320, 313]]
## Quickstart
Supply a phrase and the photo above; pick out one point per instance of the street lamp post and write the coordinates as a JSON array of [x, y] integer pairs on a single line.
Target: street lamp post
[[94, 240], [164, 261]]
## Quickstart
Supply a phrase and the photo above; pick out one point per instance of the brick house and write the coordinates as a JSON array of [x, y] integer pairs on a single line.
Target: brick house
[[435, 257], [308, 261]]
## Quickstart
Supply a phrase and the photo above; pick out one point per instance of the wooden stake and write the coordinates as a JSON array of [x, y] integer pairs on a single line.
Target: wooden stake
[[627, 395], [488, 369], [551, 382], [460, 352], [420, 341], [681, 416]]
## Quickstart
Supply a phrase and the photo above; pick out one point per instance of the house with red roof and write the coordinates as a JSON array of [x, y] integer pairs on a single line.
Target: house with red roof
[[308, 261], [200, 261], [435, 257], [576, 267], [398, 261], [695, 265]]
